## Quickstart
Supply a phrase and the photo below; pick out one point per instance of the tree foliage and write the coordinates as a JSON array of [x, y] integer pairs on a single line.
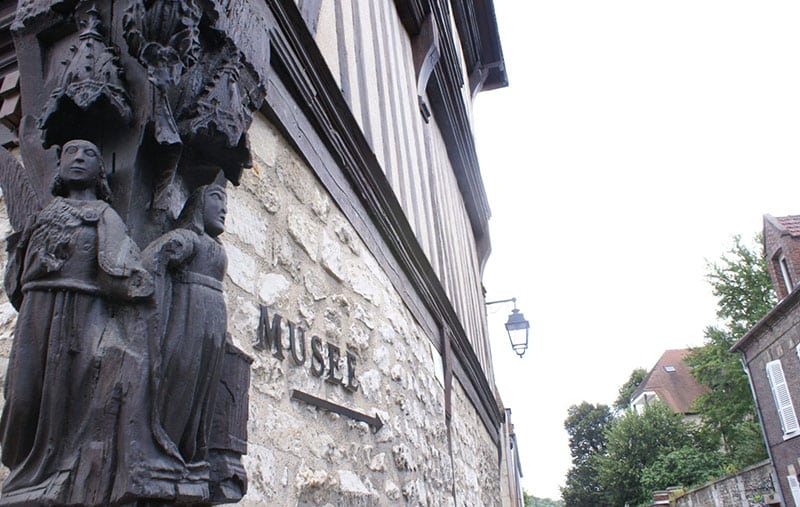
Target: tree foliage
[[741, 283], [622, 460], [628, 388], [687, 466], [635, 441], [533, 501], [586, 425]]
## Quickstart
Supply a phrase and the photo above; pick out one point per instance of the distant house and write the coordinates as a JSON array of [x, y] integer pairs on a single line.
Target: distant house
[[671, 382], [771, 356]]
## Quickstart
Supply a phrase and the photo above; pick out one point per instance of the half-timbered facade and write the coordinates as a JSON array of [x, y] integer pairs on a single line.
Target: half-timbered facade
[[355, 243]]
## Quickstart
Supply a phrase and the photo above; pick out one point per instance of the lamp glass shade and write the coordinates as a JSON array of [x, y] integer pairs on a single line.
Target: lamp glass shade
[[517, 328]]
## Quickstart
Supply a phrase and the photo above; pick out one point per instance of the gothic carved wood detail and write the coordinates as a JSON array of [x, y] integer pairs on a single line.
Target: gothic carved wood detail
[[123, 386]]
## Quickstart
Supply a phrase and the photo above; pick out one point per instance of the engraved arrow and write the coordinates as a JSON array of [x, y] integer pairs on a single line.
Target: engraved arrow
[[374, 422]]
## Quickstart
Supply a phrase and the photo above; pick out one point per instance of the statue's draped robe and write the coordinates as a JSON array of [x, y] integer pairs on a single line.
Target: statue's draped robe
[[67, 427], [188, 352]]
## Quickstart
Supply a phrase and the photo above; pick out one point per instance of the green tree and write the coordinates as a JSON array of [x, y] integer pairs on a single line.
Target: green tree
[[684, 467], [586, 425], [533, 501], [741, 283], [634, 442], [628, 388]]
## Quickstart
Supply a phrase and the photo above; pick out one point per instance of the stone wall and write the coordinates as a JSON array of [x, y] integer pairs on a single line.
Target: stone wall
[[750, 486], [292, 251]]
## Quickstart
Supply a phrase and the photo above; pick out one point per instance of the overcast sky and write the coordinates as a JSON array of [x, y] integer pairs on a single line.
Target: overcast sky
[[634, 140]]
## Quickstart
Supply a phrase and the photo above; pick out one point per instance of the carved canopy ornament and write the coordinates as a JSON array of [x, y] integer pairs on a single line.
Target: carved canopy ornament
[[91, 87], [30, 9], [164, 36], [217, 120]]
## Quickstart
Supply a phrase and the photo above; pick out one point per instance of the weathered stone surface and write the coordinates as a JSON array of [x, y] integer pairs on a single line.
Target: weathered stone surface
[[332, 258], [271, 287], [315, 271], [350, 483], [306, 233], [241, 268], [244, 226]]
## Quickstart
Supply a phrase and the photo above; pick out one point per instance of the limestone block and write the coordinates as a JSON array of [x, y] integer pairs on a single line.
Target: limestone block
[[271, 287], [264, 140], [378, 462], [244, 222], [260, 464], [307, 479], [381, 357], [346, 235], [332, 258], [350, 483], [320, 204], [242, 318], [403, 458], [284, 255], [392, 491], [290, 173], [324, 447], [358, 337], [362, 315], [364, 284], [314, 285], [241, 268], [270, 200], [305, 307], [305, 233], [342, 302]]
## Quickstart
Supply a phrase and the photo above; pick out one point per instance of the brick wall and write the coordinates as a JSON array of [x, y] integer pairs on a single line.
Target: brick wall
[[776, 337], [777, 241]]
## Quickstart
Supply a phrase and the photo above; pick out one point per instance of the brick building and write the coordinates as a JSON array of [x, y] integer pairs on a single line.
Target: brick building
[[782, 251], [771, 356]]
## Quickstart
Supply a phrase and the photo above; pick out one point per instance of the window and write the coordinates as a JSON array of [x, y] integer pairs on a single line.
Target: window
[[783, 400], [669, 369], [785, 273], [794, 485]]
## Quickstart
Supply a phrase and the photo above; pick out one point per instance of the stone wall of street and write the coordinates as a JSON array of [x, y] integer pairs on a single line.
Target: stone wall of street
[[292, 253], [753, 486]]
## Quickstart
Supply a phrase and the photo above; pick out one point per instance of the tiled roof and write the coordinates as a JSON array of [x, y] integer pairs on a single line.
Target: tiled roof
[[791, 223], [671, 379]]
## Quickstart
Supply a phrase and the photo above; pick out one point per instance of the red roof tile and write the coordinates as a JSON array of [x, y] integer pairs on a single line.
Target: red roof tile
[[678, 388], [791, 223]]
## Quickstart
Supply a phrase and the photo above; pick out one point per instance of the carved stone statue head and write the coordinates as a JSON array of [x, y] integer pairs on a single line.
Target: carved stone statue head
[[205, 211], [81, 166]]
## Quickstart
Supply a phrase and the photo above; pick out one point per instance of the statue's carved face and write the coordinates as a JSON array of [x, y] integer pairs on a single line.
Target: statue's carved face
[[214, 210], [80, 163]]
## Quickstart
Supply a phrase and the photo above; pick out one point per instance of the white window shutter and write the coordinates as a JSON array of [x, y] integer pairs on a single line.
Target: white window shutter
[[783, 400], [794, 485]]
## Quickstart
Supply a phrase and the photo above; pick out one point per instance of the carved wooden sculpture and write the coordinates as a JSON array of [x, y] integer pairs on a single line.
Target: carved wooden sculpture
[[123, 387], [67, 375], [188, 333]]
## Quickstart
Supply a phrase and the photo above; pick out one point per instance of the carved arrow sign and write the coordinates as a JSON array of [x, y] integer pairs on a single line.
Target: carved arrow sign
[[374, 422]]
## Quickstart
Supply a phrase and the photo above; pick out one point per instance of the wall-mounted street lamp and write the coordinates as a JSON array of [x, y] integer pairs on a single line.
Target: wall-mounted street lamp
[[516, 326]]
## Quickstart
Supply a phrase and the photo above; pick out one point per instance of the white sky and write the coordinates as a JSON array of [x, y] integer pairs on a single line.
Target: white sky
[[635, 138]]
